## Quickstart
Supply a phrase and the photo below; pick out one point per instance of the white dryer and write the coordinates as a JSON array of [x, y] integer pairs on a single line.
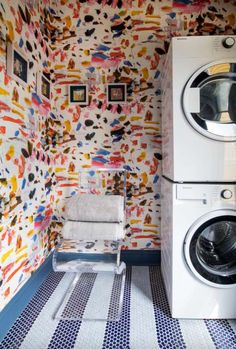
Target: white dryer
[[199, 249], [199, 109]]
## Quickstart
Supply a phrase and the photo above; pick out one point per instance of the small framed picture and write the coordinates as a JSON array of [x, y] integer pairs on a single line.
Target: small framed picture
[[17, 64], [78, 94], [43, 86], [116, 93]]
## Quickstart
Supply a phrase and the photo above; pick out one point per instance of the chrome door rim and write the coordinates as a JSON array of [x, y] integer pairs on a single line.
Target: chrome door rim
[[188, 238], [196, 122]]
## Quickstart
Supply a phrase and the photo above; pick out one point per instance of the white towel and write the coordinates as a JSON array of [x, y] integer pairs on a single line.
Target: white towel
[[95, 208], [92, 231]]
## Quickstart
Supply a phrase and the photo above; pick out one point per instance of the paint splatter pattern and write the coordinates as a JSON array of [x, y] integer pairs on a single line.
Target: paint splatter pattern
[[44, 145]]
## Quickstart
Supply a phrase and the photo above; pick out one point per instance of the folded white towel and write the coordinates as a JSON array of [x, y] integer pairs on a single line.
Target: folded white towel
[[95, 208], [92, 231]]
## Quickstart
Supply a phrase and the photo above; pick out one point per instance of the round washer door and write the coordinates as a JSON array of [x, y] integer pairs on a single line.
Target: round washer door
[[210, 248], [209, 101]]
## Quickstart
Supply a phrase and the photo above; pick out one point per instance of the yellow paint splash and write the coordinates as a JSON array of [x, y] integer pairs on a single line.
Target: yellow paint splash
[[60, 169], [21, 249], [77, 76], [86, 63], [14, 185], [153, 16], [4, 92], [10, 31], [151, 225], [141, 157], [87, 156], [59, 66], [67, 21], [144, 177], [14, 111], [150, 231], [135, 118], [86, 52], [152, 22], [145, 73], [10, 153], [136, 13], [135, 221], [67, 124], [21, 257], [28, 101], [122, 13], [166, 8], [152, 128], [122, 117], [6, 255], [142, 52], [30, 233]]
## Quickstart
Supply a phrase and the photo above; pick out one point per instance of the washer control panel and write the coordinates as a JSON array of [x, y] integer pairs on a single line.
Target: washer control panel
[[212, 194]]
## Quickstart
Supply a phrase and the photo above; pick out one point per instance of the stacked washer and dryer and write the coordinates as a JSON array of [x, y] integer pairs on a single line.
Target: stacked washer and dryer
[[199, 177]]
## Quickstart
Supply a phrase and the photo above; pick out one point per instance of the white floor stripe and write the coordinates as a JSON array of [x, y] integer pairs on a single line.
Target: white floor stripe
[[143, 330], [91, 333], [43, 328], [195, 334]]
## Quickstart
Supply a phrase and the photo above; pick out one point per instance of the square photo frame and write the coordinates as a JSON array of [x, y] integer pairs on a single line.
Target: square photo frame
[[43, 86], [116, 93], [78, 94], [17, 64]]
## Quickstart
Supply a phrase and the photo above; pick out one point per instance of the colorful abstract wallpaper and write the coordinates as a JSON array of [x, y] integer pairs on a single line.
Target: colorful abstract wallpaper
[[46, 142]]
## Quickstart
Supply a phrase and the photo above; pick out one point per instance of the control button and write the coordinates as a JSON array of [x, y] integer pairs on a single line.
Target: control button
[[228, 42], [226, 194]]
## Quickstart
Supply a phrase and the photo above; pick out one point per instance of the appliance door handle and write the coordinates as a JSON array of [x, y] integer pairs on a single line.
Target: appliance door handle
[[192, 100]]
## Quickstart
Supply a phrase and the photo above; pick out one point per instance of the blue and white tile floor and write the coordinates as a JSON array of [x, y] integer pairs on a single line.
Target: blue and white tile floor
[[145, 322]]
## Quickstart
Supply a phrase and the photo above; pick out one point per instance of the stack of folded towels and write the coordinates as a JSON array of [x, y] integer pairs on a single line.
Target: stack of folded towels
[[94, 217]]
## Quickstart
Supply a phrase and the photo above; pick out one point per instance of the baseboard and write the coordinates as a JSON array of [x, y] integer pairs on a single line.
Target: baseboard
[[130, 257], [17, 304], [141, 257]]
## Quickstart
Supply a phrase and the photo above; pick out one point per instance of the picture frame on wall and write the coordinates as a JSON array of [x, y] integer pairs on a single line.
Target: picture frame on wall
[[78, 94], [116, 93], [17, 64], [43, 86]]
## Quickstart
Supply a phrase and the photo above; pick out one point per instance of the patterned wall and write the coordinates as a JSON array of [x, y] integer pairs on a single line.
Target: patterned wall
[[92, 42], [25, 169], [97, 42]]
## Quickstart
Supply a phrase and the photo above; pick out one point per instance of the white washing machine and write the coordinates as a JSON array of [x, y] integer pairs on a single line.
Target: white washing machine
[[199, 249], [199, 109]]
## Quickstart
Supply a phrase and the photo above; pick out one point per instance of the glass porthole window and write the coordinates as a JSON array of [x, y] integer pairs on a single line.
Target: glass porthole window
[[209, 101]]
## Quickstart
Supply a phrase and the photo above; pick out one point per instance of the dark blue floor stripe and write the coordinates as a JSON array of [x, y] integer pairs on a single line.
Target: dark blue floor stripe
[[169, 333], [117, 334], [66, 332], [221, 333], [22, 325]]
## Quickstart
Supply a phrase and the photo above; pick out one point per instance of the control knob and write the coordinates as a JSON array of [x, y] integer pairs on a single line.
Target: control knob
[[226, 194], [228, 42]]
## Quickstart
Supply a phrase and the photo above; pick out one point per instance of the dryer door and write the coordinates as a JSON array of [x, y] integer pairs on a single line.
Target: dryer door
[[209, 101], [210, 248]]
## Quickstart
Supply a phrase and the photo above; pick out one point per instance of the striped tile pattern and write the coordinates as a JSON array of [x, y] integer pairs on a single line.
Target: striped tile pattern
[[145, 322]]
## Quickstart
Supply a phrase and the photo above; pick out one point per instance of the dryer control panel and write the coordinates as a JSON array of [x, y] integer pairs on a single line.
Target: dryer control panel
[[228, 42]]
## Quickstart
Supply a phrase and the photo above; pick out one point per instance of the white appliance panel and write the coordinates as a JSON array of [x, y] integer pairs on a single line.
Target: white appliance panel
[[189, 294], [189, 155]]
